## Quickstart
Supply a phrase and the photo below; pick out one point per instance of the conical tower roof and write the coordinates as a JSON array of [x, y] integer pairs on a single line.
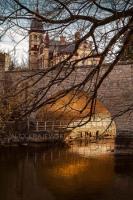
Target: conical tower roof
[[36, 25]]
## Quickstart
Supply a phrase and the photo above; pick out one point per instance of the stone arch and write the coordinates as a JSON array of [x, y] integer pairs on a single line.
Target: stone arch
[[73, 111]]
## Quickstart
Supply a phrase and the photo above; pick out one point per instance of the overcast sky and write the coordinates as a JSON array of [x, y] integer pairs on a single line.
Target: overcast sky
[[16, 44]]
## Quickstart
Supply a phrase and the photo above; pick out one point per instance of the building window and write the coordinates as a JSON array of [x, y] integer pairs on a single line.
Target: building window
[[35, 38], [41, 50]]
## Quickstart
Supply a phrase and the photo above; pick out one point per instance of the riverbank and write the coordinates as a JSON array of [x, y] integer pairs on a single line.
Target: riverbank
[[52, 139]]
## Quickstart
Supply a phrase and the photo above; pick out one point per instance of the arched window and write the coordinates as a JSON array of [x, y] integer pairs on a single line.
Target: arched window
[[41, 50], [35, 38]]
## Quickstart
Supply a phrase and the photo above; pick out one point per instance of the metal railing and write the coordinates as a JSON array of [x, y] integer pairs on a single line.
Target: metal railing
[[51, 126]]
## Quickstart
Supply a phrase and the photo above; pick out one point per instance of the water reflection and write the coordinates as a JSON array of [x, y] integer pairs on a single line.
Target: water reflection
[[100, 147], [38, 173]]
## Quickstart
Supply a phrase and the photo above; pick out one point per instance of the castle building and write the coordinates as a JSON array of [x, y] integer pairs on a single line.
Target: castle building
[[35, 39], [45, 52], [128, 51], [5, 62]]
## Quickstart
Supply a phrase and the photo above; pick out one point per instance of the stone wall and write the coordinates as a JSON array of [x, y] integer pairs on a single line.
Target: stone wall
[[115, 92]]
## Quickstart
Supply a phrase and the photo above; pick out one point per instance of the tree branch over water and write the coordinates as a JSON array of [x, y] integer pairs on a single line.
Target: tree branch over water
[[102, 24]]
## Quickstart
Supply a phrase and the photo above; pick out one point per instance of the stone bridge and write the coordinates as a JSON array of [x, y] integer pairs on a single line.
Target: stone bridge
[[116, 92]]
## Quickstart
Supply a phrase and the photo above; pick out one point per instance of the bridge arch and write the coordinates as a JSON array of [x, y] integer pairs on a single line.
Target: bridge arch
[[115, 92], [74, 110]]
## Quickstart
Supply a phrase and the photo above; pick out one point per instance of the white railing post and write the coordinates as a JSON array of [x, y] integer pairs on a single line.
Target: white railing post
[[37, 125], [60, 125], [28, 124], [45, 125], [52, 125]]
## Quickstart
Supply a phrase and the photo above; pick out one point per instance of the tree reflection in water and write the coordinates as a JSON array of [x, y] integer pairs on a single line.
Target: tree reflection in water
[[76, 172]]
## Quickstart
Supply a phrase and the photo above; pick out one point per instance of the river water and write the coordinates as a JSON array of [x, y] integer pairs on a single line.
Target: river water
[[81, 171]]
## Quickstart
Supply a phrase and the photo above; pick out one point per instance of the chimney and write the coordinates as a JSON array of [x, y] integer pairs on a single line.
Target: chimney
[[62, 40], [77, 36]]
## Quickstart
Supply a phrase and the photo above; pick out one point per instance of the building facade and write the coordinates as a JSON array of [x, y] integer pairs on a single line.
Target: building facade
[[5, 62], [45, 52]]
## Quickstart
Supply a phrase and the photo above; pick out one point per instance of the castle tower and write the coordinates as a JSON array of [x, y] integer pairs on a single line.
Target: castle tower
[[44, 52], [127, 55], [35, 39], [128, 51]]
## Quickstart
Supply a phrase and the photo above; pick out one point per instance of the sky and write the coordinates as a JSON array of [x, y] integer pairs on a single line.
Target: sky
[[16, 44], [13, 37], [10, 41]]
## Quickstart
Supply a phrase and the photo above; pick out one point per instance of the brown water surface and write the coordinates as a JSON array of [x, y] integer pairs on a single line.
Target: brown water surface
[[80, 172]]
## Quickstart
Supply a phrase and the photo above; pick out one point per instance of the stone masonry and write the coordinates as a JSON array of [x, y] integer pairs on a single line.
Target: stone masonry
[[116, 92]]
